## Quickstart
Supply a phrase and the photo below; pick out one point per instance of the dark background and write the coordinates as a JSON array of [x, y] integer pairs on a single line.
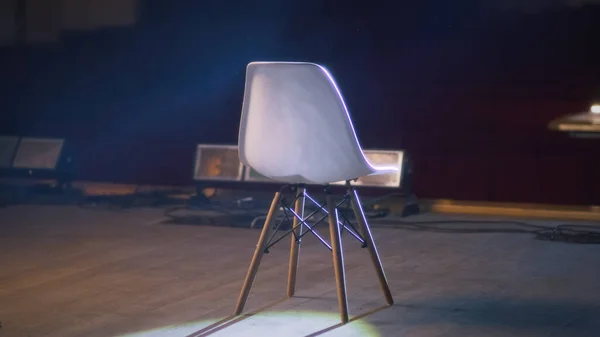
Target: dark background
[[467, 89]]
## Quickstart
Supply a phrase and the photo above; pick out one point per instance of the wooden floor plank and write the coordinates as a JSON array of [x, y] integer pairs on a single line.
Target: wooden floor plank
[[68, 271]]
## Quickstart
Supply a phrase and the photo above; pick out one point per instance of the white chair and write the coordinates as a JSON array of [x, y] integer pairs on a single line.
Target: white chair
[[295, 128]]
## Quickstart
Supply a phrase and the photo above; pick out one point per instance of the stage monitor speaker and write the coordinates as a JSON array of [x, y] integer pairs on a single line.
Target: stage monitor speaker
[[38, 154], [38, 161], [217, 163], [8, 147]]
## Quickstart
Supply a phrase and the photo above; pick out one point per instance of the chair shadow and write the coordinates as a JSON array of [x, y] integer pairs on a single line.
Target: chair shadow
[[231, 320], [355, 318]]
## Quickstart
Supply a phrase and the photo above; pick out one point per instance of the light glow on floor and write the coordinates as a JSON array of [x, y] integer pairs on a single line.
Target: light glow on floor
[[266, 324]]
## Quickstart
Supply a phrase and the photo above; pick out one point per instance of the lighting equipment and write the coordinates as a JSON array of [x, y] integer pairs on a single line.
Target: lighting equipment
[[38, 154], [221, 163], [217, 163], [581, 125], [219, 166], [381, 158], [35, 159], [215, 166], [377, 157]]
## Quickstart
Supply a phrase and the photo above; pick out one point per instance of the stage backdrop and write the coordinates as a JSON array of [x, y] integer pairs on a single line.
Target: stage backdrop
[[469, 102]]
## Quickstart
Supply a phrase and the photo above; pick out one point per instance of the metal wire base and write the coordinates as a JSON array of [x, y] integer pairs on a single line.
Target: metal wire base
[[302, 225]]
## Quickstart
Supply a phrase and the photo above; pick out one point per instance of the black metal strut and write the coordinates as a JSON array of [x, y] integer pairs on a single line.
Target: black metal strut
[[289, 213]]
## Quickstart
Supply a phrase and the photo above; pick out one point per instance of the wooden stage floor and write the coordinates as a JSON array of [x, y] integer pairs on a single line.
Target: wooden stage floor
[[69, 271]]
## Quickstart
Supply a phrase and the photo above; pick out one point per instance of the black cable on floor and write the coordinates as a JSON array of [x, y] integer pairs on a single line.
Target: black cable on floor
[[564, 233], [128, 201], [378, 217], [571, 233]]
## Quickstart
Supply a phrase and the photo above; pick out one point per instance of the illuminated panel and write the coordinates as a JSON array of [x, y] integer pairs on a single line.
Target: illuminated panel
[[583, 122], [8, 145], [38, 153], [381, 158], [376, 157], [217, 162]]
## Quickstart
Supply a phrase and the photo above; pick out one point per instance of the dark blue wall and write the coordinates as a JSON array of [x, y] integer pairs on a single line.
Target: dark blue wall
[[469, 94]]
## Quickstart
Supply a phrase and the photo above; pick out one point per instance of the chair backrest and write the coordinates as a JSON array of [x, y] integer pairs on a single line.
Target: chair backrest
[[295, 126]]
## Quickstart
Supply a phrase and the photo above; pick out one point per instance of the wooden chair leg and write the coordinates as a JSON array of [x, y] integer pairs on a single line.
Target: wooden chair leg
[[338, 258], [258, 254], [363, 226], [295, 242]]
